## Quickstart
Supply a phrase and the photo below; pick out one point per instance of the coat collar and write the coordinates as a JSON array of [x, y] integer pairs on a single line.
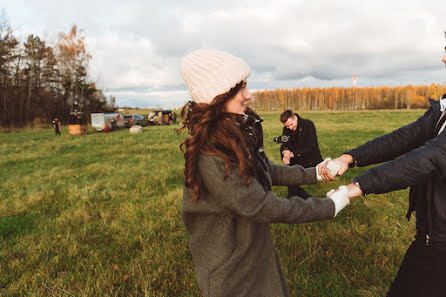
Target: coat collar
[[443, 103], [435, 105], [250, 118]]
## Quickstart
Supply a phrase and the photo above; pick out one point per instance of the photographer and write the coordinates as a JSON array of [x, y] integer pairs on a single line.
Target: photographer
[[302, 147]]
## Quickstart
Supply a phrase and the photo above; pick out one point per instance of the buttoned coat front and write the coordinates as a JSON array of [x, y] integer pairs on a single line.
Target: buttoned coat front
[[229, 227]]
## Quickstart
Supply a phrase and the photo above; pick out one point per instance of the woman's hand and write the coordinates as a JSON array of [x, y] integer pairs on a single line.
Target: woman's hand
[[323, 171], [339, 197]]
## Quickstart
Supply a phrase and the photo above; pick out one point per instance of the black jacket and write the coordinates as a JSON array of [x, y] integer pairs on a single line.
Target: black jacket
[[421, 165], [303, 144]]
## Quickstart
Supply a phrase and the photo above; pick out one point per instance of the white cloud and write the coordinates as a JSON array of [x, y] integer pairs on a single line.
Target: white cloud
[[139, 44], [131, 61]]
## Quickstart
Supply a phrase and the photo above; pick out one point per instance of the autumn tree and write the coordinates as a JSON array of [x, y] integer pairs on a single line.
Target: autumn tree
[[38, 81], [348, 98], [73, 64]]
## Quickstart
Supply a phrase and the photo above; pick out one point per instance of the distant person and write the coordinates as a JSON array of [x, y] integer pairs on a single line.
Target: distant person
[[56, 125], [302, 147], [228, 202], [415, 157]]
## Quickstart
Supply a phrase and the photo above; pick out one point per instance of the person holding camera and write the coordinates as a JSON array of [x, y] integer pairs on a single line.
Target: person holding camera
[[228, 202], [56, 125], [301, 148]]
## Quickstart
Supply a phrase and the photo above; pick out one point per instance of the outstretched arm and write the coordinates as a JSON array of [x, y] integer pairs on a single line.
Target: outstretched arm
[[410, 169], [253, 202], [394, 144], [398, 142]]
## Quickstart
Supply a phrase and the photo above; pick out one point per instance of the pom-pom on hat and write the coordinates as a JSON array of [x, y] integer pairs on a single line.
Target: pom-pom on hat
[[209, 73]]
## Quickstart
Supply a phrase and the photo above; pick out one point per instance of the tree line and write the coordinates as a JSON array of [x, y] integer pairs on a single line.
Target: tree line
[[39, 81], [336, 98]]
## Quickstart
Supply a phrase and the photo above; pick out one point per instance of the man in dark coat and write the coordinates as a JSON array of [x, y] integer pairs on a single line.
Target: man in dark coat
[[421, 165], [302, 147], [56, 125]]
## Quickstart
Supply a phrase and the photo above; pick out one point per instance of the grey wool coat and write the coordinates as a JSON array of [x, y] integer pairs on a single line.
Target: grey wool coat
[[229, 227]]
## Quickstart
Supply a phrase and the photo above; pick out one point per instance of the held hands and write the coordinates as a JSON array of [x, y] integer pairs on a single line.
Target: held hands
[[340, 198], [326, 170], [354, 191], [351, 191], [343, 161], [335, 167], [343, 195]]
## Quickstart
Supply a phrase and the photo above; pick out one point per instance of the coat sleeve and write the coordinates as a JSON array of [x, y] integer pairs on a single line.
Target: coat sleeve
[[410, 169], [396, 143], [284, 175], [253, 202]]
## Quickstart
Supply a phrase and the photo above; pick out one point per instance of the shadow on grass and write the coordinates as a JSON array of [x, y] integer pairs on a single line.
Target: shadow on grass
[[11, 226]]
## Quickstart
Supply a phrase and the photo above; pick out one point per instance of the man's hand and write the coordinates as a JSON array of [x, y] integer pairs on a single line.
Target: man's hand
[[343, 161], [354, 191], [288, 154]]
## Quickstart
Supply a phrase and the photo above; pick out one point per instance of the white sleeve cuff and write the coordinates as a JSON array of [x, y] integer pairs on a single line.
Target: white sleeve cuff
[[340, 198]]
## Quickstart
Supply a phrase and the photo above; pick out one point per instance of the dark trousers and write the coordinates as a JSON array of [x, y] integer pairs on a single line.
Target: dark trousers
[[422, 273], [57, 131], [297, 191]]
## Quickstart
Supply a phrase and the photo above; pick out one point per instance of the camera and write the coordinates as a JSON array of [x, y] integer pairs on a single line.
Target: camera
[[282, 139]]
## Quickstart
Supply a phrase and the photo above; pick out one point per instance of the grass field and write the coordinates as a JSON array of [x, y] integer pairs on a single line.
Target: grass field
[[100, 215]]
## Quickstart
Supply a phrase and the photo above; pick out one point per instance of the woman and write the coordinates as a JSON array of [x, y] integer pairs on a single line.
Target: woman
[[228, 203]]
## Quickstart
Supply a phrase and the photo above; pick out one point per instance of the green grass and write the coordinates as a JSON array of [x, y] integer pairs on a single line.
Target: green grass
[[100, 215]]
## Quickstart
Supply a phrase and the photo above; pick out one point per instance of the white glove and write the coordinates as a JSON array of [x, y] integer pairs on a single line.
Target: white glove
[[340, 198], [334, 167], [317, 168]]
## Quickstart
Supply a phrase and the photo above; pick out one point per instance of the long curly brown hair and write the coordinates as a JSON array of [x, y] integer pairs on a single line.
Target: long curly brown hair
[[211, 133]]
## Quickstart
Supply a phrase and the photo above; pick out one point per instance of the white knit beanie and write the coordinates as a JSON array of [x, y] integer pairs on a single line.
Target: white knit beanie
[[208, 74]]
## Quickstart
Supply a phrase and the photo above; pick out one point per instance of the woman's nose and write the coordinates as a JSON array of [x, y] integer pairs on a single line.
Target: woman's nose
[[248, 94]]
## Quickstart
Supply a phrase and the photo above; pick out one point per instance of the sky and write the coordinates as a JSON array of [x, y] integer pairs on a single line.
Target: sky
[[137, 46]]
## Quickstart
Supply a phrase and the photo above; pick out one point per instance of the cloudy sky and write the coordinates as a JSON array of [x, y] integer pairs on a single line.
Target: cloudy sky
[[137, 46]]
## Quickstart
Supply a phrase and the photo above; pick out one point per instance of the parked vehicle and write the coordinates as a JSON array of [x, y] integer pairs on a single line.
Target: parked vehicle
[[135, 119], [163, 117], [151, 118], [107, 121]]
